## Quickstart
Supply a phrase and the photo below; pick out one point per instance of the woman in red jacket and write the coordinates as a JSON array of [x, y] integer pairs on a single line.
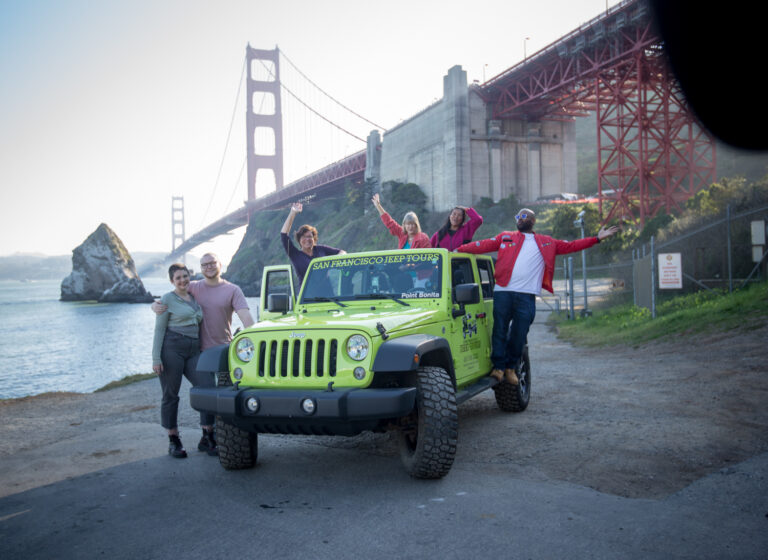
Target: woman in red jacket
[[409, 235]]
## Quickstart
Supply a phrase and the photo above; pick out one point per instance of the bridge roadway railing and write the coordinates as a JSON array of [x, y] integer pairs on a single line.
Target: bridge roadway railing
[[348, 168], [553, 79]]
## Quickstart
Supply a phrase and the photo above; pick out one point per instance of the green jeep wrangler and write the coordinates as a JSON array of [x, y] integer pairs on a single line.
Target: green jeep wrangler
[[385, 340]]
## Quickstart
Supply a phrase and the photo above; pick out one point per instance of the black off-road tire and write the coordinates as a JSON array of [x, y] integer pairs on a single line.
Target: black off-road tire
[[429, 436], [238, 449], [514, 398]]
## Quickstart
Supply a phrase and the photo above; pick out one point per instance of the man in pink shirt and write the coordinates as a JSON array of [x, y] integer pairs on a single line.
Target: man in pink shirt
[[218, 300]]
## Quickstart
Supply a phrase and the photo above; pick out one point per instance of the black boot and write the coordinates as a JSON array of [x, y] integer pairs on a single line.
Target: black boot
[[175, 448], [208, 443]]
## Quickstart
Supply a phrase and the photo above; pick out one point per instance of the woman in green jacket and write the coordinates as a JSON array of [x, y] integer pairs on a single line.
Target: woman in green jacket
[[175, 349]]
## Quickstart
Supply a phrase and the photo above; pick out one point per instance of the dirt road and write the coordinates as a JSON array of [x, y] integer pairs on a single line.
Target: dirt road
[[636, 422]]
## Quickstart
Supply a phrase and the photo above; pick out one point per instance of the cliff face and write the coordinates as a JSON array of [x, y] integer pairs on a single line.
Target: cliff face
[[103, 270]]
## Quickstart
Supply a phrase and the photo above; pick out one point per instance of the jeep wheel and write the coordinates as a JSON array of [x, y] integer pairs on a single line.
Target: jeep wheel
[[428, 438], [514, 398], [238, 449]]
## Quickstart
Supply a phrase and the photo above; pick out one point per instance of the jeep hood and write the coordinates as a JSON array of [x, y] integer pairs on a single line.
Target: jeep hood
[[354, 318]]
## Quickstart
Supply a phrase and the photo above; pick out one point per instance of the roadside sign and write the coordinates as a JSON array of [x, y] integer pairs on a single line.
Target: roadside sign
[[758, 240], [758, 232], [670, 271]]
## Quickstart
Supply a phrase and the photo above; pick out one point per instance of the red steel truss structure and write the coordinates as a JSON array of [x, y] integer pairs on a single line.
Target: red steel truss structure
[[652, 153]]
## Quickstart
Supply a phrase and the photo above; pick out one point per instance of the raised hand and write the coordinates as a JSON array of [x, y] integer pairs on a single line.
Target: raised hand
[[377, 203], [607, 232]]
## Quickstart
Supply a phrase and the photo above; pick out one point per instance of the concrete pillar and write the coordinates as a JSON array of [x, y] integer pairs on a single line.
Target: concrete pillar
[[373, 159], [456, 151], [494, 144], [570, 159], [532, 189]]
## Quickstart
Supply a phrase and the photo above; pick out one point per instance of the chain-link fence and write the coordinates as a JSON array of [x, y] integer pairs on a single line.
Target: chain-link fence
[[718, 255]]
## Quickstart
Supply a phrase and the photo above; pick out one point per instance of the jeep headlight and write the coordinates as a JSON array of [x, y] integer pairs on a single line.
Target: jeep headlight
[[357, 347], [244, 349]]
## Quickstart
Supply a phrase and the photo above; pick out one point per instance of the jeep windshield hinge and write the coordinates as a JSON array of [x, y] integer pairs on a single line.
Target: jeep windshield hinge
[[382, 330]]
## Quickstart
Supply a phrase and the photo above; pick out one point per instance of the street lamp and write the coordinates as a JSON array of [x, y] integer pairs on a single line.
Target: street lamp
[[525, 55], [580, 224]]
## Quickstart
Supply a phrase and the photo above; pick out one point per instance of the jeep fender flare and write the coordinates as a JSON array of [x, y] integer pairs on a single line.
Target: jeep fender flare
[[408, 353], [214, 359]]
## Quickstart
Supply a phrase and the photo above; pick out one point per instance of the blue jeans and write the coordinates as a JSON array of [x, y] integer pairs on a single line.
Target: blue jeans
[[508, 340]]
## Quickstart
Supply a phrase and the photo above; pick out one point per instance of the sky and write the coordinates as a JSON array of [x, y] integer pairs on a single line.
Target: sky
[[110, 108]]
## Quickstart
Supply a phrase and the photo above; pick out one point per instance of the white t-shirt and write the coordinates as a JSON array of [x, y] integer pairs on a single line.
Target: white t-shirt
[[528, 271]]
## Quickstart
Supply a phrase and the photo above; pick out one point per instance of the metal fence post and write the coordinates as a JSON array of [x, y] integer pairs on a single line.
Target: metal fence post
[[580, 223], [728, 235], [634, 283], [653, 278], [570, 288], [585, 312]]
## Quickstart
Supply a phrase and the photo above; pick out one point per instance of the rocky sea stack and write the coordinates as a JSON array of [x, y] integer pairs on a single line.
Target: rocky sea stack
[[103, 270]]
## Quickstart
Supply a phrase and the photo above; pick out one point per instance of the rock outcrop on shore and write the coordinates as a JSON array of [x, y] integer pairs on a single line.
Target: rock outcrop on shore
[[103, 270]]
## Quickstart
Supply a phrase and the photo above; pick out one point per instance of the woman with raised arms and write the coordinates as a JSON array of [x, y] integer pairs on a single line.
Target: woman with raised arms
[[461, 225], [409, 235], [306, 236]]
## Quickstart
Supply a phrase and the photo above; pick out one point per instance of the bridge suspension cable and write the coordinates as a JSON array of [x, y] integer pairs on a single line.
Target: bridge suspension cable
[[236, 185], [226, 145], [328, 95], [312, 110]]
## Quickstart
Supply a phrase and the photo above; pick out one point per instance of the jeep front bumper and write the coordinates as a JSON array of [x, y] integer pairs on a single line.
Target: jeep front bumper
[[336, 412]]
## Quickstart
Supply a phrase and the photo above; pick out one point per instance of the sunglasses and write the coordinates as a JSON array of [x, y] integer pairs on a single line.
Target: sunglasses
[[522, 216]]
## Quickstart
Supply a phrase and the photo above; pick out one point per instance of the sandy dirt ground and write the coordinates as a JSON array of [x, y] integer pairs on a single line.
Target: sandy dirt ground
[[638, 422]]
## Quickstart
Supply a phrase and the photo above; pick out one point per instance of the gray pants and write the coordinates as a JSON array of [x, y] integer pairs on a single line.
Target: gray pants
[[179, 356]]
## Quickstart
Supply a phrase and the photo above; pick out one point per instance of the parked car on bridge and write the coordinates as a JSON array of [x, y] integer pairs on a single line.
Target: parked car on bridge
[[387, 340]]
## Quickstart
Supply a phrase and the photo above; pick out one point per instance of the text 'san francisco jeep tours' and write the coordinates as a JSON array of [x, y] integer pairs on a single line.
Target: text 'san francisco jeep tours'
[[386, 340]]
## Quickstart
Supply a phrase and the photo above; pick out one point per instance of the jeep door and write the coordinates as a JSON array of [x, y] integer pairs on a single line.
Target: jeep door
[[470, 332], [276, 279]]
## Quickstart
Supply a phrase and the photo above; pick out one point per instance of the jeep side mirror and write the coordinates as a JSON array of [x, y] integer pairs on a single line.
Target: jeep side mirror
[[464, 294], [278, 303], [467, 293]]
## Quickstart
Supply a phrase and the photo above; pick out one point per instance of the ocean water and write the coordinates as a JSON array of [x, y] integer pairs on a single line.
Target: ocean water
[[50, 345]]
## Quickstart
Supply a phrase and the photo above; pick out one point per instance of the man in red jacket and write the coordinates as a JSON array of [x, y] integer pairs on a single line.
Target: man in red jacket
[[525, 265]]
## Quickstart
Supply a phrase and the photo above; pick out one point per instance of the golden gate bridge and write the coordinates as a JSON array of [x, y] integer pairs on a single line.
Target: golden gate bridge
[[652, 154]]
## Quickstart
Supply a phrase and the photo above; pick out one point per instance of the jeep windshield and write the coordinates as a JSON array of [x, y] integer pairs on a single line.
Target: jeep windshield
[[393, 275]]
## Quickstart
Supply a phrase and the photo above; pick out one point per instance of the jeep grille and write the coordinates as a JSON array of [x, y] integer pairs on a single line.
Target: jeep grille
[[297, 357]]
